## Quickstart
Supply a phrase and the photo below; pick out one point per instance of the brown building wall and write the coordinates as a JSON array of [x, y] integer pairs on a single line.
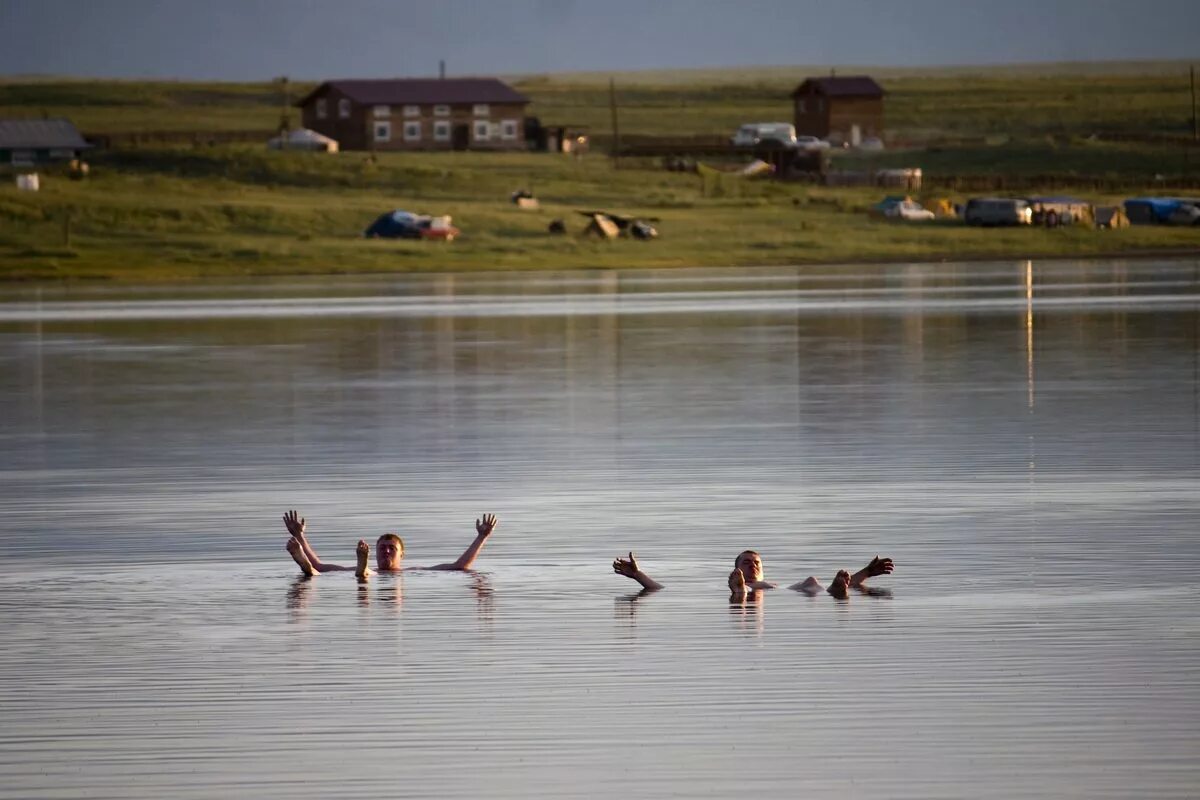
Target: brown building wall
[[358, 131], [350, 132], [816, 115]]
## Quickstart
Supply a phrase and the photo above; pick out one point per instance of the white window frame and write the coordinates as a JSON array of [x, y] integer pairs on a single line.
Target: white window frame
[[441, 111], [412, 111], [412, 130], [508, 129], [481, 126], [384, 127], [480, 110], [344, 108], [442, 130], [322, 108], [381, 112]]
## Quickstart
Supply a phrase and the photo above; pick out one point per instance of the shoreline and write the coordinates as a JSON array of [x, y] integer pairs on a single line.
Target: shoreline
[[207, 276]]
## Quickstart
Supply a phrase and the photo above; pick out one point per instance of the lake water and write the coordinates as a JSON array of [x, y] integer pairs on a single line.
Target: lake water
[[1023, 439]]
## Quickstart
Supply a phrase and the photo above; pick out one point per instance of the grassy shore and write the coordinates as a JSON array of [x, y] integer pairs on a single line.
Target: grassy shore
[[182, 213]]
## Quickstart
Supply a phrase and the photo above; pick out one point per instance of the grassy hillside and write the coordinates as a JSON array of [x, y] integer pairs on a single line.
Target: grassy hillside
[[157, 213], [167, 214], [1032, 100]]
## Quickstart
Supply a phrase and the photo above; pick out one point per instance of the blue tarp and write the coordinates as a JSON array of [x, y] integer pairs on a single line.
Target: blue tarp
[[395, 225], [1150, 210]]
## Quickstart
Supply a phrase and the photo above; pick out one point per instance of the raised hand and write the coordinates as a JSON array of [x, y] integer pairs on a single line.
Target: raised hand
[[627, 567], [737, 584], [879, 566], [294, 523], [485, 526]]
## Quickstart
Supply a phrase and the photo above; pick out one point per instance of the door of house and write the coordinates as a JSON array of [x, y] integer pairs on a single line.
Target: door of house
[[461, 137]]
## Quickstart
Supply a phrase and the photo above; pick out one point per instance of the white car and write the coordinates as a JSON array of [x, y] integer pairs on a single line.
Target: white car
[[909, 211], [764, 133], [1185, 214]]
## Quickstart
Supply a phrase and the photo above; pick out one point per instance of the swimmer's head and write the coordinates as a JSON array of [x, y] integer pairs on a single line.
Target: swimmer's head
[[750, 564], [389, 549]]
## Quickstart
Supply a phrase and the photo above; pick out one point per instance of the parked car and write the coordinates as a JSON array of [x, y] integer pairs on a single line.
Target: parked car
[[811, 143], [997, 211], [871, 143], [1185, 214], [754, 134], [899, 207]]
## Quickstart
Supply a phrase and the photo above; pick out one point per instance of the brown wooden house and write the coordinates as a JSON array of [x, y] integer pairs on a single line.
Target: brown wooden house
[[418, 114], [841, 109]]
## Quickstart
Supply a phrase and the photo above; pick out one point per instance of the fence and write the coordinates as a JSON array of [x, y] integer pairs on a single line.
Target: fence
[[133, 139]]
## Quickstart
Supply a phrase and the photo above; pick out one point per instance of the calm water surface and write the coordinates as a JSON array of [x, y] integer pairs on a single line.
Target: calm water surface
[[1023, 439]]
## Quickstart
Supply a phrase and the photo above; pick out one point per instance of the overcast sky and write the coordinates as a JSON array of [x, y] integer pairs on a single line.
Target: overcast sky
[[307, 39]]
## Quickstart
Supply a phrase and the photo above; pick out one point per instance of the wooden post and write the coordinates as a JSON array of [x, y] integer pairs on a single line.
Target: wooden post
[[616, 128]]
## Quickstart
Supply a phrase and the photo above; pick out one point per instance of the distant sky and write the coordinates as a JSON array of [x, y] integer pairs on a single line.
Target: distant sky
[[309, 39]]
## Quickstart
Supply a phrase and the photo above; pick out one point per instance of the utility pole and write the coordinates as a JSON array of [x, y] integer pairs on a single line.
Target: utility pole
[[1195, 128], [616, 128], [285, 122], [442, 69]]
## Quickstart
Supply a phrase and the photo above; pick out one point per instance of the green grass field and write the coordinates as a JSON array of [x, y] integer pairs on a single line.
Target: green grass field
[[170, 213]]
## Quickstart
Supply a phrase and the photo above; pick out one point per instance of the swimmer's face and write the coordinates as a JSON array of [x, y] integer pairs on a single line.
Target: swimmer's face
[[388, 553], [750, 564]]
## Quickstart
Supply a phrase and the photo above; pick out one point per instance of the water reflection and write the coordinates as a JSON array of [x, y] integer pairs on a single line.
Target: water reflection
[[749, 612]]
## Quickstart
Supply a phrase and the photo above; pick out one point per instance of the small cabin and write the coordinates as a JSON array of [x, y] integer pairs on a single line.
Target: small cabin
[[839, 109]]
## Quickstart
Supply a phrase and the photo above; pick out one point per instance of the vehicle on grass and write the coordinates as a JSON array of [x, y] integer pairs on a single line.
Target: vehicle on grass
[[756, 134], [1055, 211], [1185, 214], [900, 207], [997, 211]]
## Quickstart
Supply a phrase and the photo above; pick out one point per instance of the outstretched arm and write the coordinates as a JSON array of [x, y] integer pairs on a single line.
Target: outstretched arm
[[629, 568], [295, 525], [483, 529], [878, 566]]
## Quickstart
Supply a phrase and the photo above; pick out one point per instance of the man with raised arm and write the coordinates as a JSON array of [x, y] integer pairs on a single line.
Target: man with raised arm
[[389, 550], [747, 576]]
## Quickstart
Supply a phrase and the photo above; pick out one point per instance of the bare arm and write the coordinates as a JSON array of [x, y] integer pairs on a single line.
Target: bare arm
[[629, 568], [878, 566], [295, 525], [483, 529]]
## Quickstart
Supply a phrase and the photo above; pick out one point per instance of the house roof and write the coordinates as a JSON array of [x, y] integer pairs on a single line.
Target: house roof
[[422, 91], [33, 134], [848, 86]]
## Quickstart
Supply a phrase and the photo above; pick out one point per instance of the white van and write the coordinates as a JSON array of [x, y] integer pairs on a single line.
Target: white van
[[753, 134]]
